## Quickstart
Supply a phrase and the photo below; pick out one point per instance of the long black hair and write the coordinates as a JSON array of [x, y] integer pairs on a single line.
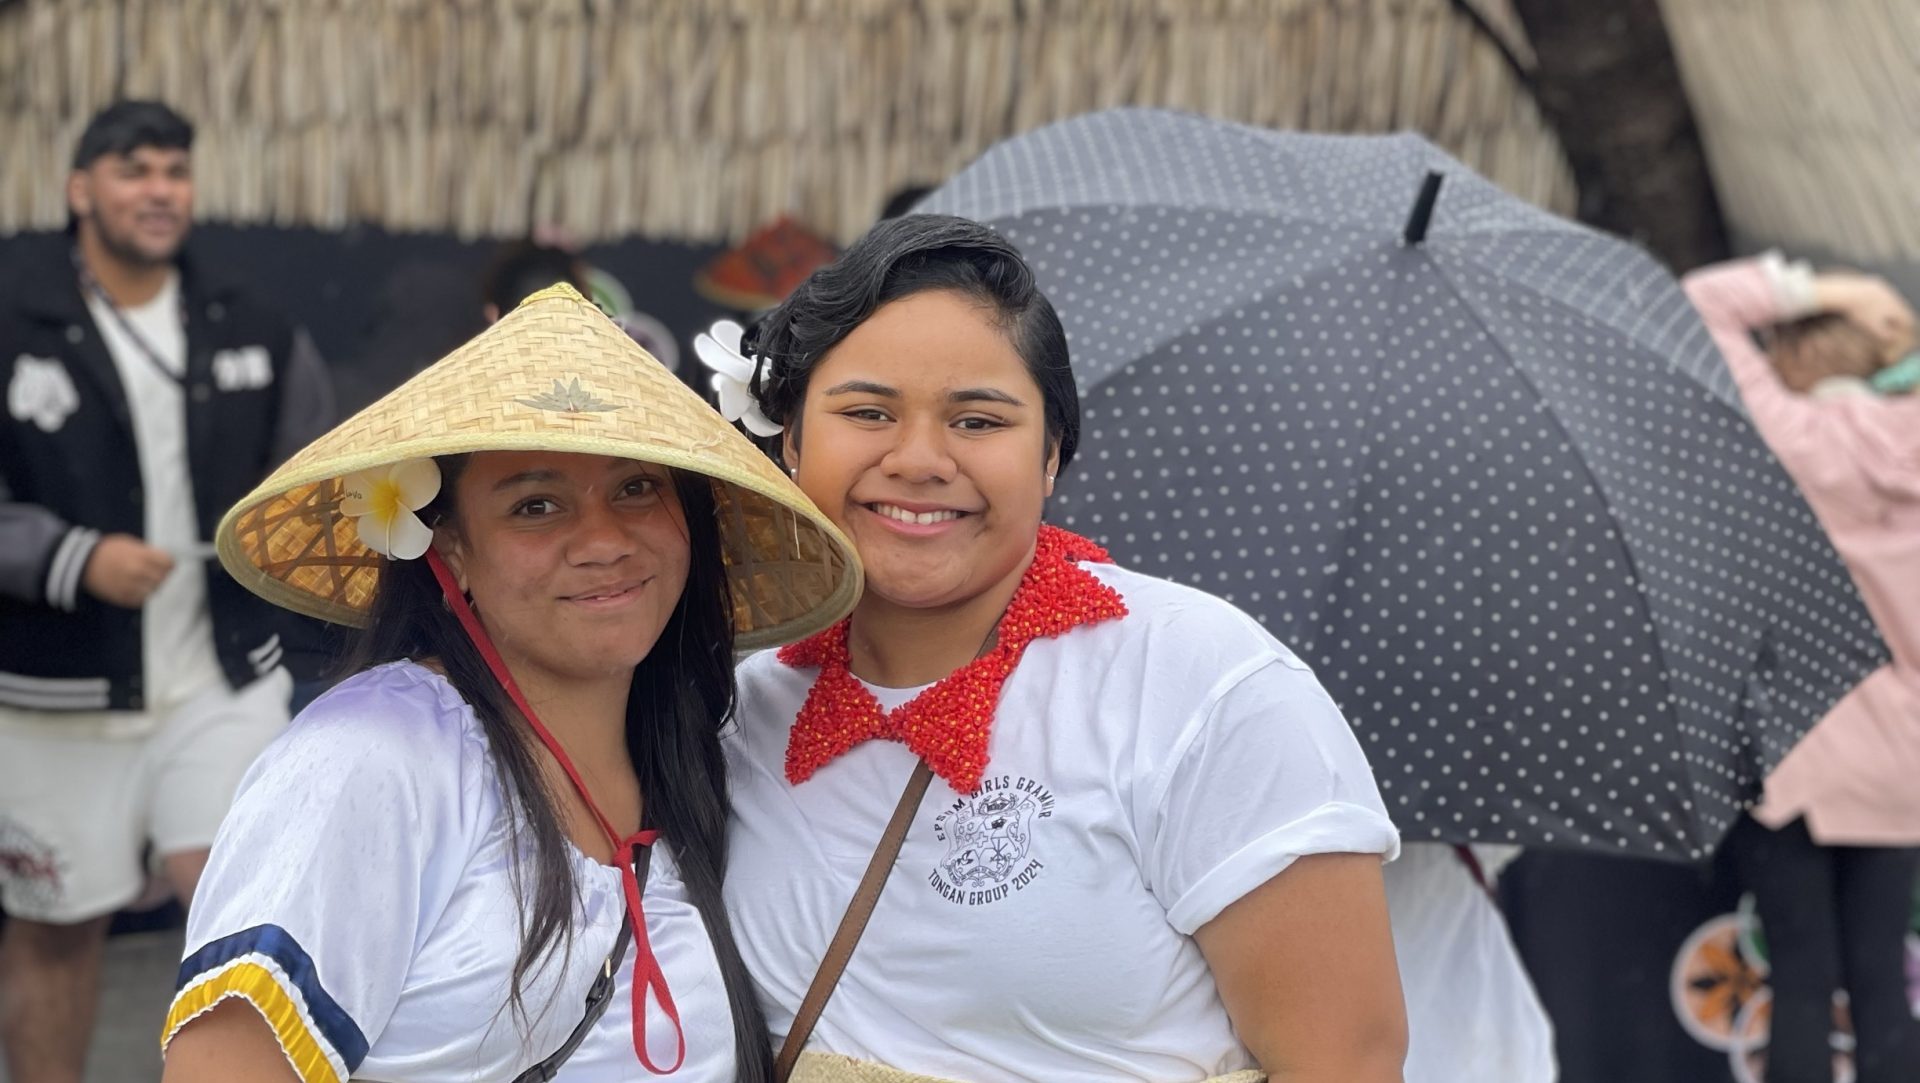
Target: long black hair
[[898, 258], [682, 694]]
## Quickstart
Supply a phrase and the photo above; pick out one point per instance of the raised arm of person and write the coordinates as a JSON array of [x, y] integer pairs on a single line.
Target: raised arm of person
[[1811, 436], [1738, 297]]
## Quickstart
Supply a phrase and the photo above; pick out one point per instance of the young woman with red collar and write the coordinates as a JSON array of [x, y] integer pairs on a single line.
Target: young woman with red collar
[[1152, 849]]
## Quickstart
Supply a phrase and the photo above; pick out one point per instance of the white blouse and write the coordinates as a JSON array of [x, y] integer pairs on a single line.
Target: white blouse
[[1472, 1013], [360, 896], [1145, 773]]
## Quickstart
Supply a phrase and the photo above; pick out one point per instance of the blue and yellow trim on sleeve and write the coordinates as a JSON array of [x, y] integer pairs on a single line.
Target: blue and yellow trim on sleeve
[[269, 969]]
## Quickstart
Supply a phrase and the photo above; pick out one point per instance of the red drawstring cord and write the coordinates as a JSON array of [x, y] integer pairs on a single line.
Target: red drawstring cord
[[646, 968]]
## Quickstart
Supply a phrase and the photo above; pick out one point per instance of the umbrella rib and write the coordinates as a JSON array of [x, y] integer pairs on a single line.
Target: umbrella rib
[[1717, 381]]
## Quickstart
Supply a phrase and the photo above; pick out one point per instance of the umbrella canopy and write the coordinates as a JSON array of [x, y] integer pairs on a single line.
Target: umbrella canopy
[[1479, 465]]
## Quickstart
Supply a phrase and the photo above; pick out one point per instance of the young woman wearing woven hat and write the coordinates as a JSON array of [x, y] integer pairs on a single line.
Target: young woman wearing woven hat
[[495, 852], [1137, 841]]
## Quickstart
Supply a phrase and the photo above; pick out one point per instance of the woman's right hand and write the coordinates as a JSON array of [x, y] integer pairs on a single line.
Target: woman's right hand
[[122, 570], [1871, 302]]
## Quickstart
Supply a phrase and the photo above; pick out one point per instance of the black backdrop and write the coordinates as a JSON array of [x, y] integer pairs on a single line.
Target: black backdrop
[[383, 305], [1599, 936]]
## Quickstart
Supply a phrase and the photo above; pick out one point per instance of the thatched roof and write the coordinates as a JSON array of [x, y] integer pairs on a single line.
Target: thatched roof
[[700, 119], [1810, 113]]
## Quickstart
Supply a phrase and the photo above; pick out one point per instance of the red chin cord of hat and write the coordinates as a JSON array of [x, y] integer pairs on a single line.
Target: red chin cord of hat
[[646, 969]]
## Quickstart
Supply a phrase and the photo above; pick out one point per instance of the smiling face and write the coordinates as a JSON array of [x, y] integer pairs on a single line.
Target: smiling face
[[137, 206], [923, 436], [575, 562]]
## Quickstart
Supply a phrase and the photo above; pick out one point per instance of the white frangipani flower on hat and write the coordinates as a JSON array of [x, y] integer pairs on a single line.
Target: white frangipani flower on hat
[[719, 349], [382, 503]]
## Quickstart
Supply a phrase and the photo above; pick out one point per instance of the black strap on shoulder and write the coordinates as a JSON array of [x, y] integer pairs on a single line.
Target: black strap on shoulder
[[600, 994]]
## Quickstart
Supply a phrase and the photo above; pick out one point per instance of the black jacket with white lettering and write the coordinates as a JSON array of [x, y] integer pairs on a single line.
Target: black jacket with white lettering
[[256, 391]]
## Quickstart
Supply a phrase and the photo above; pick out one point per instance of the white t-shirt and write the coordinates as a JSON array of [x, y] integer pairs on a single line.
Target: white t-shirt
[[1145, 772], [176, 627], [360, 892], [1472, 1013]]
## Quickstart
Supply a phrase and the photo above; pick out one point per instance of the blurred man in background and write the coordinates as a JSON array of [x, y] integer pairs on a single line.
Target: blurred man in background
[[137, 680]]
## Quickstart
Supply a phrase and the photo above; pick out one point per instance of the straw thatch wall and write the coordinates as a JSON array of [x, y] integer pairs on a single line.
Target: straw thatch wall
[[1810, 111], [699, 119]]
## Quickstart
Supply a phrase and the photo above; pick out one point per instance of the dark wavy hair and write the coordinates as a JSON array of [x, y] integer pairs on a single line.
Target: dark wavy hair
[[126, 126], [896, 259], [683, 693]]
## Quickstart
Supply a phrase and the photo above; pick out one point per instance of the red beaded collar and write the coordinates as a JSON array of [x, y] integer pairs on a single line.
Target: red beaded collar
[[948, 724]]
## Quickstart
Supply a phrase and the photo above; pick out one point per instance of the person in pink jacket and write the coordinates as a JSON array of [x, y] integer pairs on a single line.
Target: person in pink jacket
[[1832, 850]]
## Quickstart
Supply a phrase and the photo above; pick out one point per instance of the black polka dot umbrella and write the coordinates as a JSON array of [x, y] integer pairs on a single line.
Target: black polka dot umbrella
[[1480, 465]]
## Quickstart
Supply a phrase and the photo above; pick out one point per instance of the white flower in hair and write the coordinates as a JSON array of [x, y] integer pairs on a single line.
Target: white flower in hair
[[719, 349], [382, 502]]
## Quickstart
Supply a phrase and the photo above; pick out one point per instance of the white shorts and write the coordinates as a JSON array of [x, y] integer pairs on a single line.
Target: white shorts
[[77, 808]]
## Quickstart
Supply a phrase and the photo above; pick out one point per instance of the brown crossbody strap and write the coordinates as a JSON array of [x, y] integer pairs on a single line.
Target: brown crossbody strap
[[853, 923]]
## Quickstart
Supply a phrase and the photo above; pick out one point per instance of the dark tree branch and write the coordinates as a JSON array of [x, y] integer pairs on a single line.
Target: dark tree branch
[[1608, 82]]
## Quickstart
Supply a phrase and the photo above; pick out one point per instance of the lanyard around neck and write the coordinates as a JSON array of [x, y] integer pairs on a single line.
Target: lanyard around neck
[[647, 974], [146, 349]]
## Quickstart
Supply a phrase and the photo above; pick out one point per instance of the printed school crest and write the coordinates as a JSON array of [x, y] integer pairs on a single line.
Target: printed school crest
[[989, 836]]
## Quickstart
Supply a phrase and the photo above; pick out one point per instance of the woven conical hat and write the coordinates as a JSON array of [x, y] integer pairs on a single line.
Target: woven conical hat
[[554, 375]]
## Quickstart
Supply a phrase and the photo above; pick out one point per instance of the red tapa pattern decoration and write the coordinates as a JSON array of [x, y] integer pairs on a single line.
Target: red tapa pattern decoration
[[948, 724]]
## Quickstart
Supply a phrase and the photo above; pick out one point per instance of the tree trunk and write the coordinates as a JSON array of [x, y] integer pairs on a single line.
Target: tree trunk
[[1608, 82]]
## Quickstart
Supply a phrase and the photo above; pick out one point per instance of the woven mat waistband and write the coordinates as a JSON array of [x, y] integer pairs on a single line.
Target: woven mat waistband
[[833, 1068]]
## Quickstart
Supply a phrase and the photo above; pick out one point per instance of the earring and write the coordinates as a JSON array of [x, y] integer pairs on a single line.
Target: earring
[[1049, 478]]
